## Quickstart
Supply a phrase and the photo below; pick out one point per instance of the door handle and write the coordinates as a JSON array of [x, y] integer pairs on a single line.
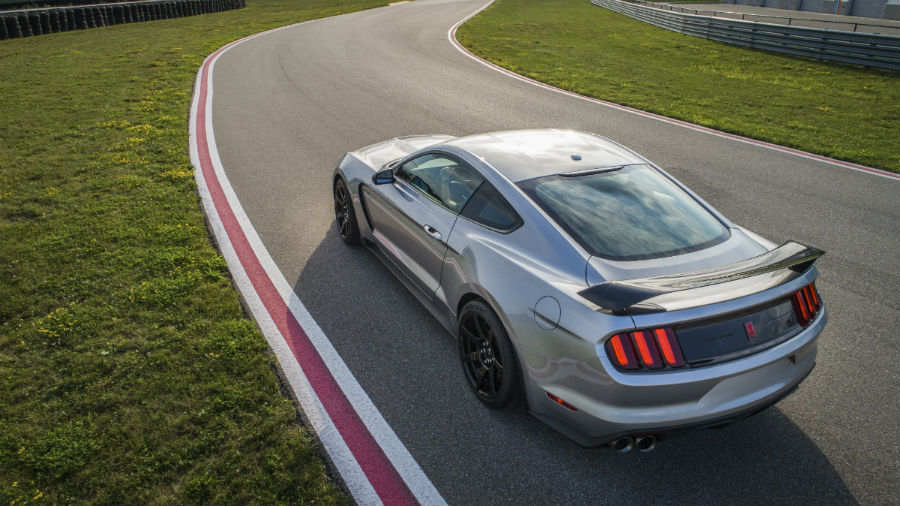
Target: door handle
[[432, 232]]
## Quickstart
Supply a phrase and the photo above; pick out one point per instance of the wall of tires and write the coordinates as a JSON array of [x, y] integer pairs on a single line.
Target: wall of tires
[[26, 23]]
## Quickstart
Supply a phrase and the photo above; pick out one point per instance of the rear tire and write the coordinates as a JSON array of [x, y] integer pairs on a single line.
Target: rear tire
[[345, 214], [487, 356]]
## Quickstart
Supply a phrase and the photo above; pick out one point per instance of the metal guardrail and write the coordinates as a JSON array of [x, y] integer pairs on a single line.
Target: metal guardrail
[[868, 49], [867, 25], [30, 22]]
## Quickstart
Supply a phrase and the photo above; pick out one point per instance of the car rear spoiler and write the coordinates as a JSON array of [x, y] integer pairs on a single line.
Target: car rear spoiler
[[771, 269]]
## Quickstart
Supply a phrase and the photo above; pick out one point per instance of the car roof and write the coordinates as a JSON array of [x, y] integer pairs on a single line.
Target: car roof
[[527, 154]]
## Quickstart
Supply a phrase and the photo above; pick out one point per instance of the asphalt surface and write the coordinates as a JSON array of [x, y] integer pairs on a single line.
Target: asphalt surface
[[288, 105]]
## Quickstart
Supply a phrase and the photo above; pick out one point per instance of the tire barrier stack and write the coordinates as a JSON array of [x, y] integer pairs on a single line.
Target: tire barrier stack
[[26, 23]]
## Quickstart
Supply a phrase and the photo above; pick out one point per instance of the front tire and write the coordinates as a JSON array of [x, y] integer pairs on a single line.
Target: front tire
[[487, 355], [344, 214]]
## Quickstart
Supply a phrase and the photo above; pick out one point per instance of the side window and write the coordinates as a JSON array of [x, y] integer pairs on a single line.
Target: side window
[[447, 181], [488, 208]]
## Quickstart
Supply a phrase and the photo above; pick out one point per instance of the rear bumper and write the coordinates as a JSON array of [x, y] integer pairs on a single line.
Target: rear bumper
[[610, 406], [662, 432]]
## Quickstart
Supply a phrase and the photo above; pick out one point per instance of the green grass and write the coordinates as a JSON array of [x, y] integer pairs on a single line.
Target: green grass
[[128, 371], [841, 111]]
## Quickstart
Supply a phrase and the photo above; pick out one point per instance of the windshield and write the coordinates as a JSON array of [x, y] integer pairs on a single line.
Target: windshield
[[632, 213]]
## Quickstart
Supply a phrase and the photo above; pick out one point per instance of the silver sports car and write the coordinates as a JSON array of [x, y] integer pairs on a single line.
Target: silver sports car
[[584, 280]]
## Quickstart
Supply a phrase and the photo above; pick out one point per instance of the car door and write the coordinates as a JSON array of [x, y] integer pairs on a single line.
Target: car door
[[412, 217]]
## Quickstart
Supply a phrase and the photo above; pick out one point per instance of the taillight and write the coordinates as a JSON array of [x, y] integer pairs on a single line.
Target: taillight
[[806, 304], [671, 352], [620, 351], [647, 349]]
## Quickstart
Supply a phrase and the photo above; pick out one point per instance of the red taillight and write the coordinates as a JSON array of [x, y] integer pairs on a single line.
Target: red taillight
[[648, 349], [620, 351], [813, 296], [669, 345], [806, 304]]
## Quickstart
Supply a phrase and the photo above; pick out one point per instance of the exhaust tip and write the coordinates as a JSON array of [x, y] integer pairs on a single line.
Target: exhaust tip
[[622, 445], [646, 443]]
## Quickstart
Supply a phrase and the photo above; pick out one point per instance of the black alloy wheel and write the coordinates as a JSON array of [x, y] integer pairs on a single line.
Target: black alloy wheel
[[344, 214], [487, 356]]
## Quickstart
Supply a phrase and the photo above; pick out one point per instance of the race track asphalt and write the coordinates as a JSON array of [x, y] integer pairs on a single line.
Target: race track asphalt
[[286, 107]]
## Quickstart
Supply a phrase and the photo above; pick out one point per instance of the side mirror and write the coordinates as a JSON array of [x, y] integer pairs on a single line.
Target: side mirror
[[383, 176]]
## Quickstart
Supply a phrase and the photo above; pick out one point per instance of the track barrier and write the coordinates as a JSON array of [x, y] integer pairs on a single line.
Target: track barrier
[[30, 22], [867, 49]]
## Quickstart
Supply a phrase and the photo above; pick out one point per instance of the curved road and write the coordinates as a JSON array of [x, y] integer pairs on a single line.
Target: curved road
[[288, 104]]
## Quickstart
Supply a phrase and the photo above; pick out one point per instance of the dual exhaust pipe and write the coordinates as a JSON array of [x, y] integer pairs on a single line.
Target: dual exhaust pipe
[[627, 443]]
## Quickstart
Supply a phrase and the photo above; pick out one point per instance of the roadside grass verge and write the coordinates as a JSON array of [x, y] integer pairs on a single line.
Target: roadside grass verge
[[128, 372], [841, 111]]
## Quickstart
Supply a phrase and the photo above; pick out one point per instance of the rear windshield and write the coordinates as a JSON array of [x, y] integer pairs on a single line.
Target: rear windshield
[[632, 213]]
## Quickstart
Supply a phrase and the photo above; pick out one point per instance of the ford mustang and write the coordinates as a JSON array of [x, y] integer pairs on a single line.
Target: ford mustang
[[585, 281]]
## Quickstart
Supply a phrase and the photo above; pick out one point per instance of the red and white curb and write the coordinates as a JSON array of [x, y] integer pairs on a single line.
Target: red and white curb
[[374, 464], [451, 36]]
